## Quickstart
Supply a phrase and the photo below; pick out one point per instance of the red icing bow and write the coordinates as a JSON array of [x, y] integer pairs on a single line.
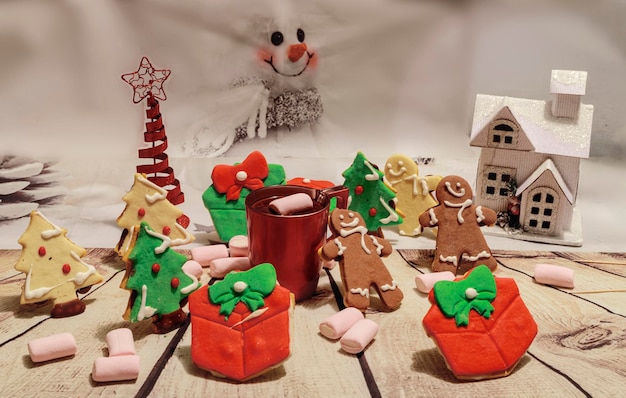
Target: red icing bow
[[248, 174]]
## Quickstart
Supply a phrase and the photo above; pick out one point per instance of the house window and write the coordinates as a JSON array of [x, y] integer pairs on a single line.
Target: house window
[[503, 134], [541, 211], [496, 182]]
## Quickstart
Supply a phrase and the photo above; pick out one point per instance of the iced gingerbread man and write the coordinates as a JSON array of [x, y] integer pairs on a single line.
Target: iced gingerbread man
[[359, 255], [460, 243], [412, 191]]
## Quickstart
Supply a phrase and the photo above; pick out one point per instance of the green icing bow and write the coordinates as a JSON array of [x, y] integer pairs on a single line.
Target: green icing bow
[[249, 287], [476, 291]]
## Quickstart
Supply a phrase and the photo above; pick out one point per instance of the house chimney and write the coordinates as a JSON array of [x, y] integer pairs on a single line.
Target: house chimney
[[567, 86]]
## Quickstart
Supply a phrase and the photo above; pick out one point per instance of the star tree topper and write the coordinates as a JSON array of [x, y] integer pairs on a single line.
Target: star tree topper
[[147, 81]]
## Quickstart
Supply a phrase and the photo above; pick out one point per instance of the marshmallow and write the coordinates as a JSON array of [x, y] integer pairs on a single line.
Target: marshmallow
[[219, 267], [52, 347], [238, 246], [194, 268], [359, 336], [291, 204], [120, 342], [337, 324], [123, 367], [555, 275], [205, 254], [330, 264], [425, 282]]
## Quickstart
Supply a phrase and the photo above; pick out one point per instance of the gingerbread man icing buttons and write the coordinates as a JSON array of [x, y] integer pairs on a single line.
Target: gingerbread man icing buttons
[[413, 192], [359, 255], [460, 243]]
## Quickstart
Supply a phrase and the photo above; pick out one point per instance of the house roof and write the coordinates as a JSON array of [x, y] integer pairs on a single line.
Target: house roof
[[547, 166], [548, 134]]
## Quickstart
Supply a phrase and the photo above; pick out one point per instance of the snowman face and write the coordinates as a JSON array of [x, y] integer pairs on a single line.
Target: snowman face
[[454, 189], [287, 52], [399, 166], [345, 220]]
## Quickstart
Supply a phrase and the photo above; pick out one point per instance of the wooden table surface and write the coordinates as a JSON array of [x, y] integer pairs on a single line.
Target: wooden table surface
[[580, 349]]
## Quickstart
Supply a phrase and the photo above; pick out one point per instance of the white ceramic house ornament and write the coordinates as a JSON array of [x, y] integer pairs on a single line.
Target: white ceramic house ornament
[[534, 147]]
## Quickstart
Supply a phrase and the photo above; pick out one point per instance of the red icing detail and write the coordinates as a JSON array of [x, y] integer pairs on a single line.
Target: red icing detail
[[141, 212], [167, 230], [42, 251], [66, 268], [175, 283], [358, 190], [156, 268], [372, 212], [486, 347], [225, 178], [183, 221]]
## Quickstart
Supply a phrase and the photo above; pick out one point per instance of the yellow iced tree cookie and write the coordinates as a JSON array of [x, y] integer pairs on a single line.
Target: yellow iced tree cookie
[[53, 267]]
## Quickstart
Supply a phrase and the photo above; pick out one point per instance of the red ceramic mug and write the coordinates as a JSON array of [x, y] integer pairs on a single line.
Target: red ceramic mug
[[291, 242]]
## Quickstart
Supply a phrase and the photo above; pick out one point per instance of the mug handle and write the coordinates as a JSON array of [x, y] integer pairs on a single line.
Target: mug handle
[[340, 192]]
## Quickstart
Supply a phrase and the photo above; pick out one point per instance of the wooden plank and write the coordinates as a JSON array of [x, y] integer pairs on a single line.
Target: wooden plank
[[577, 337], [317, 366], [405, 362], [613, 263]]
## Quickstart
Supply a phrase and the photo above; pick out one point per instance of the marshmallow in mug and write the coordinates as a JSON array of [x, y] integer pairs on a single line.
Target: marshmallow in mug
[[555, 275], [291, 204]]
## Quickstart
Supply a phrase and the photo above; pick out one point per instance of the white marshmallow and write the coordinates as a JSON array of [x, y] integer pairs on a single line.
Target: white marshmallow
[[120, 342], [425, 282], [52, 347], [291, 204], [337, 324], [555, 275], [359, 336], [238, 246]]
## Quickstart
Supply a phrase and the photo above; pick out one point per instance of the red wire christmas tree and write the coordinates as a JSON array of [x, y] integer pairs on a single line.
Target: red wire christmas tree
[[147, 83]]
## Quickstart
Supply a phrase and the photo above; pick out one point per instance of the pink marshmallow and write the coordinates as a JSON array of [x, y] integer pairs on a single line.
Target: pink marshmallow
[[238, 246], [123, 367], [219, 267], [194, 268], [120, 342], [330, 264], [359, 336], [205, 254], [555, 275], [52, 347], [337, 324], [425, 282], [291, 204]]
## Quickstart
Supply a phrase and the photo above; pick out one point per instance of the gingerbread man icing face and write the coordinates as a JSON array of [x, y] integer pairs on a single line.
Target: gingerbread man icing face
[[460, 242], [360, 262]]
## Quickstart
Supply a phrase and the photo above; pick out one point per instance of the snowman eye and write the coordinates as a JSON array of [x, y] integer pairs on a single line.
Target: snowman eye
[[300, 34], [277, 38]]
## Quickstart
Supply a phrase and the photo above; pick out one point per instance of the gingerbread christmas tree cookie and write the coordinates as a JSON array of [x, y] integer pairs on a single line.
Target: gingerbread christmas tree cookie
[[370, 196], [155, 274], [147, 202], [53, 267]]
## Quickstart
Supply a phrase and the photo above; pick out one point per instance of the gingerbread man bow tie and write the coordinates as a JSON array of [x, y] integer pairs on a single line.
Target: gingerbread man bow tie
[[248, 174], [476, 291], [250, 287]]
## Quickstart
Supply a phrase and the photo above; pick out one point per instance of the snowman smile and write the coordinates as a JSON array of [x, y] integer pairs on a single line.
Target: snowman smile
[[271, 63]]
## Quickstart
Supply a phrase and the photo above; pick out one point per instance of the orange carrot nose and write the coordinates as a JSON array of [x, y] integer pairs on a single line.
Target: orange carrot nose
[[296, 51]]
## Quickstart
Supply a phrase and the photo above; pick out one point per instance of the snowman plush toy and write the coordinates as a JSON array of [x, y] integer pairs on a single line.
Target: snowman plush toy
[[277, 92]]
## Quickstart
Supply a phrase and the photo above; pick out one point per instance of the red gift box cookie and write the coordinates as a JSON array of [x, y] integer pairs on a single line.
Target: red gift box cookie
[[480, 324], [241, 326]]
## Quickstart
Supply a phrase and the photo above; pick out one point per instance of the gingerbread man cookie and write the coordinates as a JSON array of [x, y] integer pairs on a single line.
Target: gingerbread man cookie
[[460, 243], [413, 191], [359, 255]]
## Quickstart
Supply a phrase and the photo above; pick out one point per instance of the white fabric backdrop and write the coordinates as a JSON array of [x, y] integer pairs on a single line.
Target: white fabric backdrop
[[394, 76]]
